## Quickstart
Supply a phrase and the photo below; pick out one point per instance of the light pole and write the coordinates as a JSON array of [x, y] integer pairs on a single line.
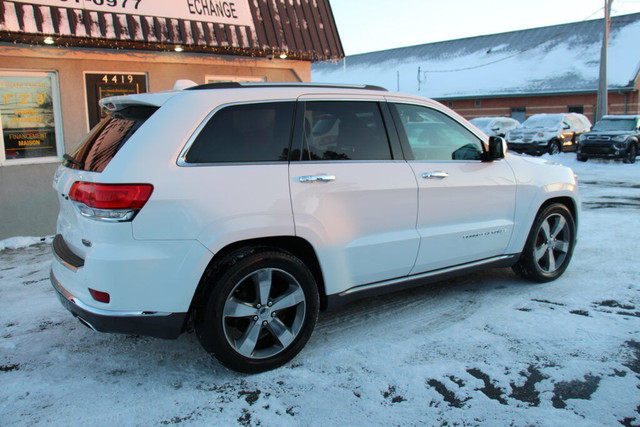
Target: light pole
[[602, 107]]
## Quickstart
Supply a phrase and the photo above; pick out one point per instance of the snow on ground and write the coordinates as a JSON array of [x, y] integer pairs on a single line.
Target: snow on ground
[[486, 349]]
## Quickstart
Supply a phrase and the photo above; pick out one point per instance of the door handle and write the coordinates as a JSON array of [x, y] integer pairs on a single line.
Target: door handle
[[310, 179], [435, 175]]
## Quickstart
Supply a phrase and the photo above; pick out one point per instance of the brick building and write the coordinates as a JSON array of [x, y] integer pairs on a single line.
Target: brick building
[[59, 57], [516, 74]]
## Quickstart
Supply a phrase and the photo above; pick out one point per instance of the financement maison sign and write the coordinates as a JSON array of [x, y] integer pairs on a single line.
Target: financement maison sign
[[234, 12]]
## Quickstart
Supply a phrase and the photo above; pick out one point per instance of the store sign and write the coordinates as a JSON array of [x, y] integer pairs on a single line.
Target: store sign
[[103, 85], [27, 117], [234, 12]]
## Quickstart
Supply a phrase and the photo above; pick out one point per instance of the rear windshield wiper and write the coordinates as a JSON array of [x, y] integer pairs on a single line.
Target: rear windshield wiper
[[71, 160]]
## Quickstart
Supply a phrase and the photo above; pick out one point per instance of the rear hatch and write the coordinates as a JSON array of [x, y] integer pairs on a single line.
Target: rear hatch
[[82, 198]]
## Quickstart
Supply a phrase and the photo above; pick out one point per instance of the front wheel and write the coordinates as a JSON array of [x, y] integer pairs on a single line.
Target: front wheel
[[632, 152], [555, 147], [582, 158], [550, 244], [260, 311]]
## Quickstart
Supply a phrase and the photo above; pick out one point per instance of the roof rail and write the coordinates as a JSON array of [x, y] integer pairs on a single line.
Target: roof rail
[[237, 85]]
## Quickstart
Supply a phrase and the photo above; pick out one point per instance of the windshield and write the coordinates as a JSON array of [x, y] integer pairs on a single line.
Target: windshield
[[481, 122], [615, 124], [543, 121]]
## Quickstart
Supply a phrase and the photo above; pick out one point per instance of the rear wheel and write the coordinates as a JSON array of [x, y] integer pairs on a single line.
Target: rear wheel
[[632, 152], [260, 311], [550, 244]]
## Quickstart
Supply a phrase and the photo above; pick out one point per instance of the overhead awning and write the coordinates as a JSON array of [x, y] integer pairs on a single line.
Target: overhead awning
[[299, 29]]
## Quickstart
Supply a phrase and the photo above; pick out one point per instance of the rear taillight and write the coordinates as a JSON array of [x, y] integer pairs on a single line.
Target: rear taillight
[[110, 202]]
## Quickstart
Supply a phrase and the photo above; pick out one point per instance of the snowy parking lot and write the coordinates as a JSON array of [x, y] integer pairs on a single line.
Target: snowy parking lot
[[485, 349]]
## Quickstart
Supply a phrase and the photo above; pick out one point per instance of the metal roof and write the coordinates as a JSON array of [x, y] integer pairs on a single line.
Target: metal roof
[[301, 29], [556, 59]]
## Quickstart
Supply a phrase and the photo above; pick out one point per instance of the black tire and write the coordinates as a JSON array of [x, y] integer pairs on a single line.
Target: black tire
[[582, 158], [550, 245], [250, 330], [632, 152], [555, 147]]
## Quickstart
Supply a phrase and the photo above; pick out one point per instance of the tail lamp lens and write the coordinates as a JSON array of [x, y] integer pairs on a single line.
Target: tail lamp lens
[[111, 196], [109, 202]]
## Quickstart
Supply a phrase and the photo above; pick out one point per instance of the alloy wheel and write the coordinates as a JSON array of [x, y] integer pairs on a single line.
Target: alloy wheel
[[552, 243], [264, 313]]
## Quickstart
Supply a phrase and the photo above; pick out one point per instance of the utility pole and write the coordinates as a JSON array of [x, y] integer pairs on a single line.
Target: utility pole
[[602, 107]]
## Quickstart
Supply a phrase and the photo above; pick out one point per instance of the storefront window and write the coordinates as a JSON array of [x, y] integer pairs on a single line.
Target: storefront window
[[29, 116]]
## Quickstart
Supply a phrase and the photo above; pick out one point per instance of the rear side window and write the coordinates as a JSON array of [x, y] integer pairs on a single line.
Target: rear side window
[[245, 133], [344, 130], [107, 138]]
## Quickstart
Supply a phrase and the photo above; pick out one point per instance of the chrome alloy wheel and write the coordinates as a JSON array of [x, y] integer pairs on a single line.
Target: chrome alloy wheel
[[264, 313], [552, 243]]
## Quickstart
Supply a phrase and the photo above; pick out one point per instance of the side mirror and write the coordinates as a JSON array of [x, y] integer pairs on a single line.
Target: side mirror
[[497, 149]]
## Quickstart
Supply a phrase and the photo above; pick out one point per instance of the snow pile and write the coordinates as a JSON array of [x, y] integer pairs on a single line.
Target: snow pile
[[22, 242]]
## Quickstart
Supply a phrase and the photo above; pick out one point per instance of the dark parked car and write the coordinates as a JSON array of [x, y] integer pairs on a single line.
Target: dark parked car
[[612, 137]]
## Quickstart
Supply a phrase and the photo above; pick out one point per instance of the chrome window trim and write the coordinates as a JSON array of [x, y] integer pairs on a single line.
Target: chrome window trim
[[182, 157]]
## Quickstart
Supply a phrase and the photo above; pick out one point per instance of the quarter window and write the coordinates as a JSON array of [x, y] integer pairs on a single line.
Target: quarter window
[[432, 135], [344, 130], [245, 133]]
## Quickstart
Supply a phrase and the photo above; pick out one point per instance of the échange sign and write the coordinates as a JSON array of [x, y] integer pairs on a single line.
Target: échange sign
[[233, 12]]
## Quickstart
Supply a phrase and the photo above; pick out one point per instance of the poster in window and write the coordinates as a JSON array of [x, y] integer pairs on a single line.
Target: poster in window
[[26, 109], [103, 85]]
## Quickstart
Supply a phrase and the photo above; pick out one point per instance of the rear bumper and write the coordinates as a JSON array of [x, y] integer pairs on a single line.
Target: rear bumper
[[154, 324]]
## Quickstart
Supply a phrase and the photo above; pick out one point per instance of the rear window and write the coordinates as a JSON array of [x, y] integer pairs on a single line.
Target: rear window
[[107, 138]]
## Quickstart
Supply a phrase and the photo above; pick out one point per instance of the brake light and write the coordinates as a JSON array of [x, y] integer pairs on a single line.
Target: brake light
[[110, 202]]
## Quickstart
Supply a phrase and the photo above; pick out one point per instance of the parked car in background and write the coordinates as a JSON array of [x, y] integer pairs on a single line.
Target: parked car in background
[[241, 210], [548, 133], [612, 137], [495, 126]]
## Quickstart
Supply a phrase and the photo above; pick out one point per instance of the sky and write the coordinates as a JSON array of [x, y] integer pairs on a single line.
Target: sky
[[372, 25]]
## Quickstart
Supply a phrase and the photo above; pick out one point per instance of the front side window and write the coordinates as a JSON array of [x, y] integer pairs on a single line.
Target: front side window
[[30, 123], [344, 130], [434, 136], [245, 133]]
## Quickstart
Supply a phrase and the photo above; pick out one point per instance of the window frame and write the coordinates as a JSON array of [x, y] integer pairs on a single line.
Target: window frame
[[182, 157], [404, 139], [57, 118], [395, 149]]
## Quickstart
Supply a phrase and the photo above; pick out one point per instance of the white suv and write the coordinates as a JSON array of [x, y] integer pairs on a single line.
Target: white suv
[[244, 209]]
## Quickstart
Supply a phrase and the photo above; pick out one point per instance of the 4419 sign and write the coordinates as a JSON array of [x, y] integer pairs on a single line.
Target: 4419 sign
[[118, 78]]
